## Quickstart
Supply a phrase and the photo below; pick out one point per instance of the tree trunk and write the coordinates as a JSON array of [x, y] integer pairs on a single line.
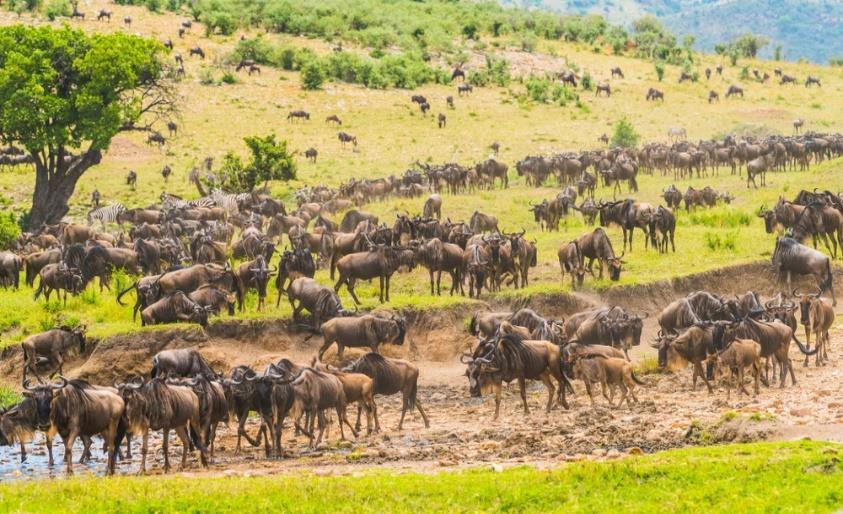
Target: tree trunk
[[55, 182]]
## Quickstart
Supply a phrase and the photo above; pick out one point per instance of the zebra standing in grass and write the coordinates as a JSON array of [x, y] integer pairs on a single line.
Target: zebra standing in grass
[[107, 214], [230, 201]]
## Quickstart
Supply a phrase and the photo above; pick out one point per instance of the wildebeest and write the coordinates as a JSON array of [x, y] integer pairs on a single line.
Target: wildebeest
[[739, 355], [817, 316], [571, 261], [380, 262], [607, 371], [391, 376], [354, 217], [155, 138], [316, 392], [10, 268], [174, 308], [713, 96], [734, 91], [104, 14], [654, 94], [811, 80], [465, 88], [48, 350], [79, 409], [442, 120], [596, 245], [197, 51], [603, 88], [515, 359], [156, 405], [322, 302], [672, 196], [311, 154], [481, 222], [58, 277], [662, 222], [433, 207], [367, 330], [333, 118], [791, 257], [345, 137], [617, 71], [185, 362], [485, 325], [254, 273]]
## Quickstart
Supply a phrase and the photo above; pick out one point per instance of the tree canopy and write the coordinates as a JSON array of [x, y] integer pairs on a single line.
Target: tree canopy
[[270, 160], [64, 95]]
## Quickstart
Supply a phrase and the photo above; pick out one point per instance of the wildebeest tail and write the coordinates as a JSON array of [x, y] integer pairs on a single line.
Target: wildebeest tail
[[802, 346], [195, 439], [121, 293], [120, 433], [635, 379]]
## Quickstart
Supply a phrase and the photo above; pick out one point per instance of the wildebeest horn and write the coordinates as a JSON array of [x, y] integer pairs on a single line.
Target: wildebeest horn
[[63, 383], [27, 386], [818, 293], [465, 356], [795, 292]]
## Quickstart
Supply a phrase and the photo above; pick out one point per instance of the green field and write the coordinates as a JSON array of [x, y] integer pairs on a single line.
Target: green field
[[213, 119], [764, 477]]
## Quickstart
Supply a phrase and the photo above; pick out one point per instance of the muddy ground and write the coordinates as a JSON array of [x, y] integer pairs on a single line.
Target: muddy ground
[[462, 433]]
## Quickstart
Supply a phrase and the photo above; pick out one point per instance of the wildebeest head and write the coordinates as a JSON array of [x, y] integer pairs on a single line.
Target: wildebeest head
[[806, 300], [539, 211], [615, 266], [260, 277], [477, 371], [42, 395]]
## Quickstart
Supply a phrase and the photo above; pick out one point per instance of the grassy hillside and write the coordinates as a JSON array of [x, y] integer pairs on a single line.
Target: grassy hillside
[[785, 477], [804, 29], [393, 134]]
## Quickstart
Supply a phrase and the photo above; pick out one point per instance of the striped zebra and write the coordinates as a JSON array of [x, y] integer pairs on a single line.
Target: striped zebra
[[229, 201], [107, 214], [172, 202]]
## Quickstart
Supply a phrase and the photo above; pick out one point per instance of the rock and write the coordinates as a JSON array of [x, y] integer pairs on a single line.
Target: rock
[[613, 454], [801, 413], [497, 468], [323, 472], [635, 451], [598, 452], [446, 463]]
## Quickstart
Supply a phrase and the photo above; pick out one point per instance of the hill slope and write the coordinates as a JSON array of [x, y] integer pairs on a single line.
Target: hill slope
[[804, 28]]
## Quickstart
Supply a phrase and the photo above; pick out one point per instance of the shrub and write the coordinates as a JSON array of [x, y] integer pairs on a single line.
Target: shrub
[[57, 9], [257, 49], [538, 89], [9, 229], [659, 70], [312, 75], [625, 135], [229, 78], [587, 83], [206, 77]]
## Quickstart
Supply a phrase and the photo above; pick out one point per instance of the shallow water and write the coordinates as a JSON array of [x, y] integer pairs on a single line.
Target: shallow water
[[37, 461]]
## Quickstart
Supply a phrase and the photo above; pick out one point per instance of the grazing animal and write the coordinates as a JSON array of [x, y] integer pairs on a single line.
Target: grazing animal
[[104, 14], [654, 94], [47, 351], [442, 120], [734, 91], [298, 115], [512, 358], [181, 363], [311, 154], [617, 71], [571, 261], [345, 137], [596, 245], [713, 96], [197, 51], [612, 372], [465, 88], [391, 376], [791, 257], [333, 119], [739, 355], [817, 316]]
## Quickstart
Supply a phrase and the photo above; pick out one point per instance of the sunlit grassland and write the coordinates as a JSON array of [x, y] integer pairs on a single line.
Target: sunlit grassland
[[760, 477], [393, 135]]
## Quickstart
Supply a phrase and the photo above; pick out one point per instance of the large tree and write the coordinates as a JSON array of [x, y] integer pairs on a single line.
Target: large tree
[[65, 94]]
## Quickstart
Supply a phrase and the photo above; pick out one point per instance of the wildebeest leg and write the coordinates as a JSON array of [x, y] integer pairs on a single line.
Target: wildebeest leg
[[165, 446], [698, 370], [589, 391], [497, 388], [431, 282], [86, 451], [350, 286], [68, 451], [22, 452], [623, 396], [325, 345], [49, 443], [314, 415], [551, 391], [438, 283], [631, 385], [181, 432], [110, 436], [740, 380], [522, 386]]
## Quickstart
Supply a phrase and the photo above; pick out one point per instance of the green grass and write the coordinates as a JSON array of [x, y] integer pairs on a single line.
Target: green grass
[[8, 396], [393, 134], [782, 477]]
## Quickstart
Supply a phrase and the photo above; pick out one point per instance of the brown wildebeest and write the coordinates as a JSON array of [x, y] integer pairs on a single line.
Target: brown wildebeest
[[345, 137], [49, 349], [380, 261], [791, 257], [177, 307], [251, 274], [391, 376], [298, 115], [367, 330], [156, 405], [333, 119], [596, 245], [465, 88], [739, 355], [798, 124], [449, 101], [734, 91], [713, 96], [442, 120], [604, 87], [322, 302], [811, 80], [571, 261], [485, 325], [515, 359], [315, 392], [617, 71], [437, 257], [181, 363], [197, 51], [612, 372], [58, 277], [654, 94], [817, 316], [358, 388]]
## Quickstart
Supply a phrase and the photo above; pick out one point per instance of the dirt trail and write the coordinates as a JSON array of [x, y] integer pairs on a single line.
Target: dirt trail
[[462, 432]]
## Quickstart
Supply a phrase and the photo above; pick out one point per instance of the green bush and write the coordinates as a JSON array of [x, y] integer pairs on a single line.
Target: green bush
[[563, 95], [538, 89], [312, 75], [57, 9], [659, 70], [206, 77], [587, 82], [625, 135], [9, 229], [229, 78], [259, 50]]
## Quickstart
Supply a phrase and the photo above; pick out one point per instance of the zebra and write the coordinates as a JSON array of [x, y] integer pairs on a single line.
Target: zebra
[[230, 201], [172, 202], [108, 214]]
